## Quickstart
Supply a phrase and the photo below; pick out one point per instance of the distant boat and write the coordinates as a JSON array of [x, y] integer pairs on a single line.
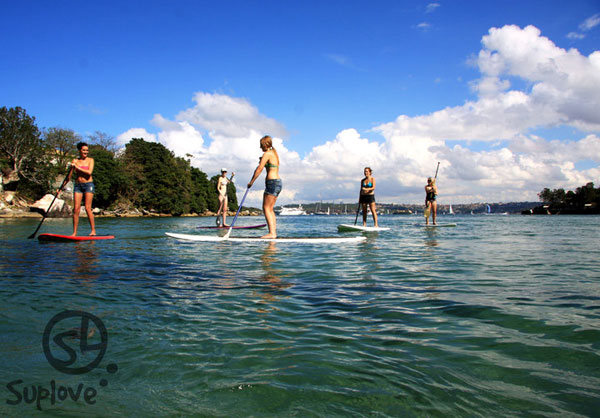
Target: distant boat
[[450, 211], [488, 209], [292, 211], [320, 212]]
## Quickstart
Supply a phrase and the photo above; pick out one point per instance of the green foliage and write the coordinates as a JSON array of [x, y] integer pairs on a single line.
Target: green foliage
[[21, 147], [159, 181], [61, 145], [582, 196], [109, 180]]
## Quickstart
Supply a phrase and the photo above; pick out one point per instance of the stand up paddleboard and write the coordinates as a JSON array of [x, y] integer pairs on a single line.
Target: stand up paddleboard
[[437, 226], [354, 228], [305, 240], [69, 238], [235, 227]]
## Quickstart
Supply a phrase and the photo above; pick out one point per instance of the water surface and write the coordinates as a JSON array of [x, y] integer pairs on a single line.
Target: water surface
[[498, 316]]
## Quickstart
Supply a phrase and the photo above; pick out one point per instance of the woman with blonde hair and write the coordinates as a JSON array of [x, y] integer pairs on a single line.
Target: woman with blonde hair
[[273, 184]]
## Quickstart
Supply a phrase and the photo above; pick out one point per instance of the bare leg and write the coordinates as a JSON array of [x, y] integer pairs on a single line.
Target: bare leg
[[225, 211], [268, 205], [434, 211], [374, 212], [76, 208], [364, 214], [88, 209], [427, 205]]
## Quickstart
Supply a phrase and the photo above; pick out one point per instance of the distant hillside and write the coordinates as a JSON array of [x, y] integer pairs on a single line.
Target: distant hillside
[[401, 209]]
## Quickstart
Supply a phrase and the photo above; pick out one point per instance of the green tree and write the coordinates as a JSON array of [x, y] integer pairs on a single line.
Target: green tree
[[20, 145], [160, 181], [61, 145], [104, 140], [200, 190], [109, 179]]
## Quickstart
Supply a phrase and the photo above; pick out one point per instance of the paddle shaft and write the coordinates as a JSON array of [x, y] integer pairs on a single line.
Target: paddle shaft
[[236, 214], [50, 207], [357, 209]]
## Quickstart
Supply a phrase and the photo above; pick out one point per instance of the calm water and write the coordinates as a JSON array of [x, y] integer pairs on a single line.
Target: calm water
[[499, 316]]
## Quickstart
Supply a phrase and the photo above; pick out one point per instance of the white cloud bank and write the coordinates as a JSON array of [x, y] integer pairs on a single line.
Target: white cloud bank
[[562, 89]]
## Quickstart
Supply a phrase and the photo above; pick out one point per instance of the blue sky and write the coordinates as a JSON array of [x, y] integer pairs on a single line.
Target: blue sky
[[398, 85]]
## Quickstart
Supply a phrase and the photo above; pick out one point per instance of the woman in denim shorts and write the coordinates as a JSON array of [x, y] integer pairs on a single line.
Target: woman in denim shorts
[[82, 167], [273, 184]]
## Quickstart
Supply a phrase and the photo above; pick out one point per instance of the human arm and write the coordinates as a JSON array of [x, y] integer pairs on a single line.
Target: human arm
[[259, 169], [366, 189], [86, 172]]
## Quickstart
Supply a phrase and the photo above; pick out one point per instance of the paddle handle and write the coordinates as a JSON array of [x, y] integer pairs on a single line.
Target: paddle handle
[[436, 171], [236, 214]]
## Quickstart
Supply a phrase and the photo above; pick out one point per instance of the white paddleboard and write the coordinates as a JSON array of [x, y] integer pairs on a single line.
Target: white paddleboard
[[348, 228], [437, 226], [305, 240]]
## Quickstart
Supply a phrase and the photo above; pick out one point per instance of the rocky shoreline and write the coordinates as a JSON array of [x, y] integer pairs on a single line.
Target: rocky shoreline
[[13, 206]]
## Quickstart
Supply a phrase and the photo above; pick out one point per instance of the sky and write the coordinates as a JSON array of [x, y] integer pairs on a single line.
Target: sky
[[505, 95]]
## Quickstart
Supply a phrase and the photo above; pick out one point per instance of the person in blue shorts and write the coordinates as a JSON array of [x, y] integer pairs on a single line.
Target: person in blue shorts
[[82, 168], [273, 184]]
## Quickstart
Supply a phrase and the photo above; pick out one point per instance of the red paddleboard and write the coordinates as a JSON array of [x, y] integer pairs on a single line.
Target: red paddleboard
[[69, 238], [234, 227]]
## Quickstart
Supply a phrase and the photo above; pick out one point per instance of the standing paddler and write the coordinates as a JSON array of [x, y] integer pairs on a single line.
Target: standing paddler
[[222, 183], [273, 184]]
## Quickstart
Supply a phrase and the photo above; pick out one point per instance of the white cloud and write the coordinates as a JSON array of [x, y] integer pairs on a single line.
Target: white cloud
[[424, 26], [562, 88], [575, 35], [432, 7], [590, 23], [126, 136]]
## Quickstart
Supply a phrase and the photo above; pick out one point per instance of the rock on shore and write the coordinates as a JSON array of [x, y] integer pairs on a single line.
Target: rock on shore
[[59, 208]]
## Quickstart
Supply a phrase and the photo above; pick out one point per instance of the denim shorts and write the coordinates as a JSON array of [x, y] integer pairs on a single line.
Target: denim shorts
[[84, 187], [273, 187]]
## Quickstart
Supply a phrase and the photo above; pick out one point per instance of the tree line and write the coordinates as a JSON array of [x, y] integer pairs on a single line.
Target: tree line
[[143, 175], [585, 199]]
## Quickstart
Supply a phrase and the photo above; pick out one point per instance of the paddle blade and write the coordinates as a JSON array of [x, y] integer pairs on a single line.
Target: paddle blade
[[427, 212]]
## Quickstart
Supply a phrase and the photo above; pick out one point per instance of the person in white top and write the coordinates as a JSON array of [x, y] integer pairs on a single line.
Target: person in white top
[[222, 183]]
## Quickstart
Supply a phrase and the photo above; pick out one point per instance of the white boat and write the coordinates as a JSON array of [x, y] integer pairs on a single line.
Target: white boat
[[450, 211], [291, 211]]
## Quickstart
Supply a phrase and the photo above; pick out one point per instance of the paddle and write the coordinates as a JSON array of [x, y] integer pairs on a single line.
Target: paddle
[[236, 214], [428, 208], [50, 207], [357, 209]]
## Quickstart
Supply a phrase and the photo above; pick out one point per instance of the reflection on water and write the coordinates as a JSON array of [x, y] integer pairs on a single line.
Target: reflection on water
[[271, 276], [86, 261], [431, 235]]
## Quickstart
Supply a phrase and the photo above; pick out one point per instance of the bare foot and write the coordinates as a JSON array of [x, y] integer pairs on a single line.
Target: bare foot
[[269, 236], [93, 234]]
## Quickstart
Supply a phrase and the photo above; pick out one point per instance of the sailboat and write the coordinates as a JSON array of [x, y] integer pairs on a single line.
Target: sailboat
[[488, 209], [450, 211]]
